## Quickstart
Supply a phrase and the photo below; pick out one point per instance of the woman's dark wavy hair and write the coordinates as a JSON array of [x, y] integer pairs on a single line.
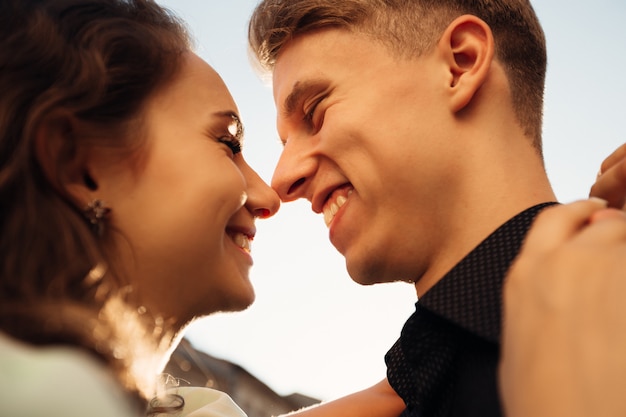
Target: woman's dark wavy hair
[[98, 62]]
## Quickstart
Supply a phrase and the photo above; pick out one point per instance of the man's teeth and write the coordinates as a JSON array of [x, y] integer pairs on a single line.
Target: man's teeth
[[331, 209], [242, 240]]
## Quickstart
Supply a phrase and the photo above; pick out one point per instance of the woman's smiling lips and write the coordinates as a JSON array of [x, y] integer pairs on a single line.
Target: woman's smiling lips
[[335, 201]]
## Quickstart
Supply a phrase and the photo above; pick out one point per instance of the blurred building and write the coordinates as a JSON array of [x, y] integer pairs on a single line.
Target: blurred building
[[197, 368]]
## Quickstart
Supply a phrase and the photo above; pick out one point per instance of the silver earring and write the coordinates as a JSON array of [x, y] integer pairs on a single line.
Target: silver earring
[[97, 212], [95, 274]]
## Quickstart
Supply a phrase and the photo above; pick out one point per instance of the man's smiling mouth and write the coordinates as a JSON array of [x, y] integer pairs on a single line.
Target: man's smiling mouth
[[337, 199]]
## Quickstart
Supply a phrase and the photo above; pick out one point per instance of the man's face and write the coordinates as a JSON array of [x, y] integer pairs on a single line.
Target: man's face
[[365, 141]]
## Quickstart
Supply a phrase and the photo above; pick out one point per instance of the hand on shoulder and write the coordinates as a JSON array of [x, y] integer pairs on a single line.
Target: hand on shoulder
[[611, 182], [564, 331]]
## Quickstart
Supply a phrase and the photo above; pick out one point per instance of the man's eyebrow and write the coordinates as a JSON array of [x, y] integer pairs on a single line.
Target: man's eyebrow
[[299, 90]]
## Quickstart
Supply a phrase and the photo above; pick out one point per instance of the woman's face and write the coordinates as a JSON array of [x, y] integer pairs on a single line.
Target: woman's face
[[184, 210]]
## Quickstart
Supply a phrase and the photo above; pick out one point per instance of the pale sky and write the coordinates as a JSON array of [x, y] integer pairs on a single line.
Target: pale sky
[[312, 330]]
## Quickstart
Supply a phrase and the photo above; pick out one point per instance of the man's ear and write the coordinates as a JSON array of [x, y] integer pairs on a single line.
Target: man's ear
[[468, 48], [63, 159]]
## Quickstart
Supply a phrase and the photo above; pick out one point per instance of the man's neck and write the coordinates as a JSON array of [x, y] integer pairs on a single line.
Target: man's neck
[[497, 185]]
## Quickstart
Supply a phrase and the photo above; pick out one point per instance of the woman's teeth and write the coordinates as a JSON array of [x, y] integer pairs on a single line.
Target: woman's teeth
[[242, 240]]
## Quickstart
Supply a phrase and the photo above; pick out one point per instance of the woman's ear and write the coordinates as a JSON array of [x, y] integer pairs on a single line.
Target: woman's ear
[[63, 159], [468, 48]]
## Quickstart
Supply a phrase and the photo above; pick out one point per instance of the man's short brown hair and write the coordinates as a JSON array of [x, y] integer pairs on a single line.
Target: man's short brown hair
[[411, 27]]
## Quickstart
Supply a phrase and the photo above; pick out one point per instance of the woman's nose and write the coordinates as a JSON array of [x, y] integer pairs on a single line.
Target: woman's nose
[[263, 201]]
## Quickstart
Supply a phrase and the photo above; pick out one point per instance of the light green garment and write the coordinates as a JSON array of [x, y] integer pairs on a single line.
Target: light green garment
[[56, 382], [67, 382]]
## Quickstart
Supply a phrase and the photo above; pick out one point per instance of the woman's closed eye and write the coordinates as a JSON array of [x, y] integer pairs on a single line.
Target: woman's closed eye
[[234, 138], [232, 142]]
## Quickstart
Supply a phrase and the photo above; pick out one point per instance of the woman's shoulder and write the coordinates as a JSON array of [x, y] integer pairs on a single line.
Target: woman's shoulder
[[53, 381]]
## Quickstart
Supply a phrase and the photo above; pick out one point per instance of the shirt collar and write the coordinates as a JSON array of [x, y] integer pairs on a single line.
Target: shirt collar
[[470, 295]]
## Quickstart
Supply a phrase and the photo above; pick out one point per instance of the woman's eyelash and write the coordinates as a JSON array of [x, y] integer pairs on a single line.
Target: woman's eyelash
[[235, 135], [232, 142]]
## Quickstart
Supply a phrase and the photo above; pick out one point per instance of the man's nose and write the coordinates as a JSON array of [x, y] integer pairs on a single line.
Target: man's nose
[[294, 172]]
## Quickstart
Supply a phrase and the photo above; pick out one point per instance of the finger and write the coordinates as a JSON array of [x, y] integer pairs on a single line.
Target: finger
[[611, 185], [606, 227], [608, 213], [559, 223], [618, 155]]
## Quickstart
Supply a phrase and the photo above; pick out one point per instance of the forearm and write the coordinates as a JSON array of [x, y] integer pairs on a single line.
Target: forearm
[[379, 400]]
